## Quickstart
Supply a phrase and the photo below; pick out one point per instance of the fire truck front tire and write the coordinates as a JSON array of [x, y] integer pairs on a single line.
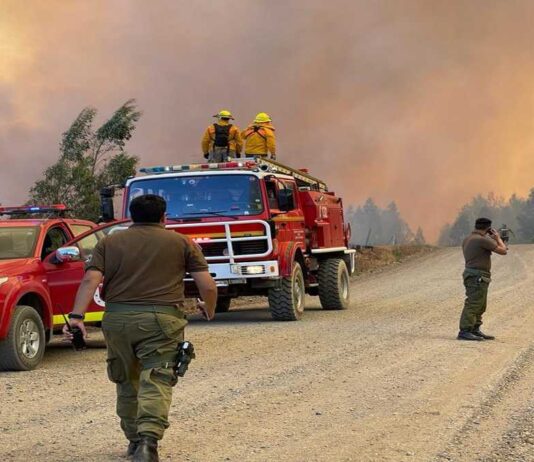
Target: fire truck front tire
[[334, 284], [286, 303], [23, 348], [223, 304]]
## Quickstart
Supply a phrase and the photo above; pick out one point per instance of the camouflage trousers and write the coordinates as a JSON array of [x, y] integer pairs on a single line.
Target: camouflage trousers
[[476, 284], [140, 347]]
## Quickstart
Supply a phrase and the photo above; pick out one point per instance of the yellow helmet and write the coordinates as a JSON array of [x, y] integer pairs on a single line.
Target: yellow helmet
[[224, 114], [262, 117]]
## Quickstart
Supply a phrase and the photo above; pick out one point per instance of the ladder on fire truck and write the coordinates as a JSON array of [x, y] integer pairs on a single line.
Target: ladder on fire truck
[[304, 179]]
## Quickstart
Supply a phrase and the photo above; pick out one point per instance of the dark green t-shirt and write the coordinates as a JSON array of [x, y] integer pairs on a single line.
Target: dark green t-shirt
[[146, 264], [477, 251]]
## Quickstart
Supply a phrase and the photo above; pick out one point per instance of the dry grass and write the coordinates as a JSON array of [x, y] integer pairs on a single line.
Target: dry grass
[[378, 257]]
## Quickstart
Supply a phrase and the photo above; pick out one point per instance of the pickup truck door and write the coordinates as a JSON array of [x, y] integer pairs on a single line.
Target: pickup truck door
[[64, 278]]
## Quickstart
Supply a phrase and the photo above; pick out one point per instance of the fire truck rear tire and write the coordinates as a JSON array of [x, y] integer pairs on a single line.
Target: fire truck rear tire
[[287, 302], [334, 286], [23, 349], [223, 304]]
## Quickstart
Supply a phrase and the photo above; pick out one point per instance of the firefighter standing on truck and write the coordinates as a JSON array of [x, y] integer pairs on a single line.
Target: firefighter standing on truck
[[143, 269], [259, 137], [222, 139]]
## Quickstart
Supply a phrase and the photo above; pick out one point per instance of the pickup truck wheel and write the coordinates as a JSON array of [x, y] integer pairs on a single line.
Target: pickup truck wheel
[[24, 346], [287, 302], [334, 285], [223, 304]]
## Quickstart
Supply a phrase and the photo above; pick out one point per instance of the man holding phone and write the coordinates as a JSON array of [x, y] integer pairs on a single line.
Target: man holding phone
[[143, 269], [477, 249]]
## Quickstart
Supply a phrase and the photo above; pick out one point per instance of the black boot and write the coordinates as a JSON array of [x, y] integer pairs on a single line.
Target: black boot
[[466, 335], [481, 334], [132, 447], [147, 451]]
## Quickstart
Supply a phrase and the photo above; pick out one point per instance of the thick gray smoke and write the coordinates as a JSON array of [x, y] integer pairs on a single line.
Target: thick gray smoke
[[425, 103]]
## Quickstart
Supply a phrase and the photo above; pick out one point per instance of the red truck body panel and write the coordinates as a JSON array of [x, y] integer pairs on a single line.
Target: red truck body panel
[[35, 280]]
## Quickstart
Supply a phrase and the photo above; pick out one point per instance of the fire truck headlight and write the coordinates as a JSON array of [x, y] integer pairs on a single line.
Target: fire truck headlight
[[3, 280], [254, 269]]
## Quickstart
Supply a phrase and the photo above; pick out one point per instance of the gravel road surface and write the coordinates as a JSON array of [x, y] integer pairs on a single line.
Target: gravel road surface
[[384, 380]]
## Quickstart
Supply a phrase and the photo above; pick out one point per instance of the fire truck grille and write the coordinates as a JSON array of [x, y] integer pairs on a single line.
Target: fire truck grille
[[218, 249], [213, 249], [250, 247]]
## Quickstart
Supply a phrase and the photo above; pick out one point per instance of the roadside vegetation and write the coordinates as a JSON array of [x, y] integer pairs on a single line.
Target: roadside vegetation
[[89, 158], [372, 225], [516, 212]]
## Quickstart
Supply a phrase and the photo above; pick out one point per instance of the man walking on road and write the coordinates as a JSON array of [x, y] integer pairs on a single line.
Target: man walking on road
[[143, 269], [505, 232], [477, 249]]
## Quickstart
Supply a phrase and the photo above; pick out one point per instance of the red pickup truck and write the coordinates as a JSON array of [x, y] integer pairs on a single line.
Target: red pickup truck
[[34, 288]]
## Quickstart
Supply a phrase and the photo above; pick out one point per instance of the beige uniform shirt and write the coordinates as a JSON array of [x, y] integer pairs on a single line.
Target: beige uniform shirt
[[477, 251]]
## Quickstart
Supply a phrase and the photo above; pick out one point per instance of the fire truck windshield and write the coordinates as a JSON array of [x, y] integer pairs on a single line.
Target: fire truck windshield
[[204, 195], [17, 242]]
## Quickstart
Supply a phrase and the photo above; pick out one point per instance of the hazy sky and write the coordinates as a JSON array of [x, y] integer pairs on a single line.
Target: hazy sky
[[423, 102]]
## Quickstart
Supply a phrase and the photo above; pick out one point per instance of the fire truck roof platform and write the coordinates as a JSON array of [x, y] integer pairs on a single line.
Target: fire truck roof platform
[[302, 176]]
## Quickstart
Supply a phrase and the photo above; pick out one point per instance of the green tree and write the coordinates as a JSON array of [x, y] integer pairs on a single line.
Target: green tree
[[89, 159]]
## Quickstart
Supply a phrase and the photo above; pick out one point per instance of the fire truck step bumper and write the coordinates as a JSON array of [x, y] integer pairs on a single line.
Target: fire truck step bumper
[[239, 273]]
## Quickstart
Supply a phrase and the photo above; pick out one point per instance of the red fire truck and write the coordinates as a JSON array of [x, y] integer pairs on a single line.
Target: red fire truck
[[34, 287], [264, 228]]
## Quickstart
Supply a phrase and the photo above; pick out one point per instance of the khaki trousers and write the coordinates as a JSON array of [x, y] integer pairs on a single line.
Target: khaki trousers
[[476, 284], [139, 347]]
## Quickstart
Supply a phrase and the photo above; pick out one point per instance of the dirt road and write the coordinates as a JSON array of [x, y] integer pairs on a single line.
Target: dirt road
[[383, 381]]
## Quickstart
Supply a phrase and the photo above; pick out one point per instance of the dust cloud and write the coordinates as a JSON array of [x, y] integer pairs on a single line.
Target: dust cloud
[[423, 102]]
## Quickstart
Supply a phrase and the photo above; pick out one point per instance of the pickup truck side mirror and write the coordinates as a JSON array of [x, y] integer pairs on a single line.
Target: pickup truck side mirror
[[67, 254]]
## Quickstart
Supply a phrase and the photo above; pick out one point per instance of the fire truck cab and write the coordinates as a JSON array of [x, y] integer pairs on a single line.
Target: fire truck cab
[[264, 228]]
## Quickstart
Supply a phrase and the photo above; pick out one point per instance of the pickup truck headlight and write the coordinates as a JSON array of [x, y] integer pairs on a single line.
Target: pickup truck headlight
[[3, 279]]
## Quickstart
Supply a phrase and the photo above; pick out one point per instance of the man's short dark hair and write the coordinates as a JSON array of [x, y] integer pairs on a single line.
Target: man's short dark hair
[[482, 224], [148, 208]]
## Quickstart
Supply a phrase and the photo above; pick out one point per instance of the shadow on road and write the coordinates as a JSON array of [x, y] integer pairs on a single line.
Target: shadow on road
[[245, 315]]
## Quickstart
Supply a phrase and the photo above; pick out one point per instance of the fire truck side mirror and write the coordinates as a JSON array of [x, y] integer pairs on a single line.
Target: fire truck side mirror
[[286, 201], [106, 204]]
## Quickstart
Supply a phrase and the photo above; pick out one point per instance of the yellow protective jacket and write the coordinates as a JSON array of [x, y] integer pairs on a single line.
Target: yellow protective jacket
[[234, 138], [259, 140]]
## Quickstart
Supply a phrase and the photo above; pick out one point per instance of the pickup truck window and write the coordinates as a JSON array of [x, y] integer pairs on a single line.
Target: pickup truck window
[[204, 195], [79, 229], [89, 242], [17, 242], [54, 239]]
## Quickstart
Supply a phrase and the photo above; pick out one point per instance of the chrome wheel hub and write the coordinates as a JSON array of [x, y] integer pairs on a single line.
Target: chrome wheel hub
[[30, 339]]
